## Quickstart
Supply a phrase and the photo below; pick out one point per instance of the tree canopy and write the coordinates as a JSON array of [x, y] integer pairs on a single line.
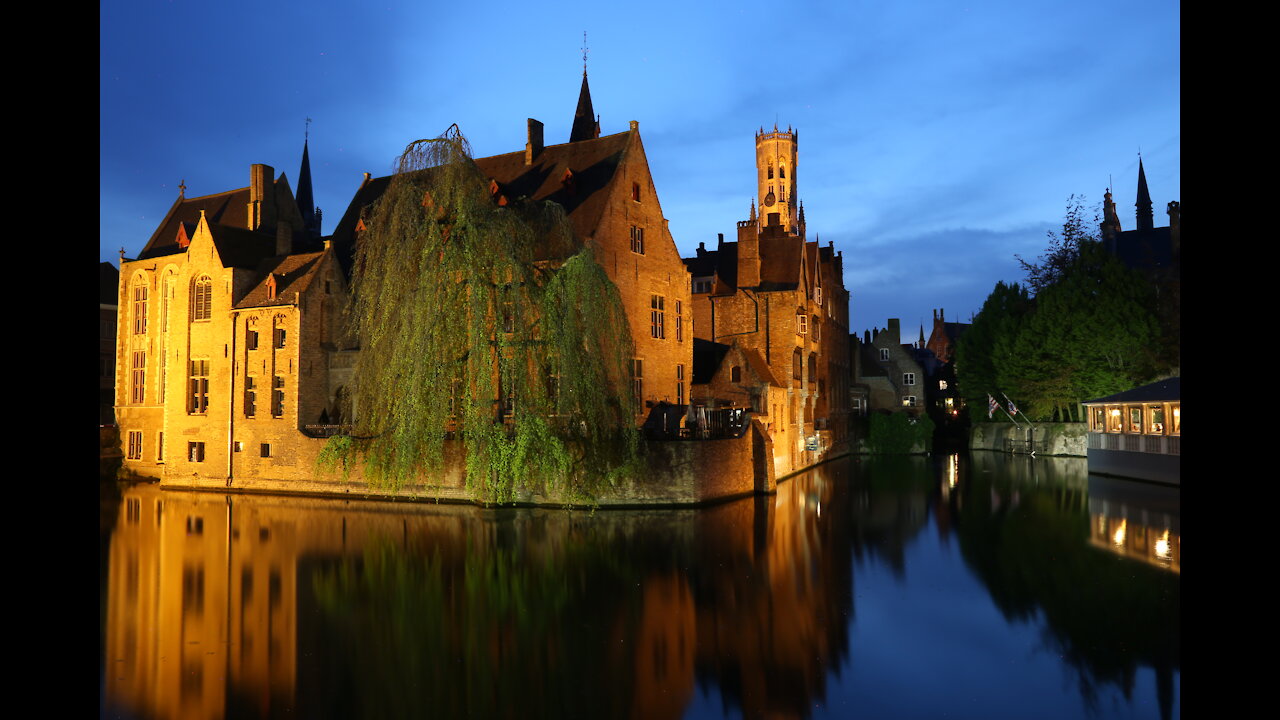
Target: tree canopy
[[1088, 327], [484, 327]]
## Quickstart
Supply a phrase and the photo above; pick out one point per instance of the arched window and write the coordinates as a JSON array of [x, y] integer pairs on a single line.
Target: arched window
[[139, 306], [770, 171], [201, 298], [782, 172]]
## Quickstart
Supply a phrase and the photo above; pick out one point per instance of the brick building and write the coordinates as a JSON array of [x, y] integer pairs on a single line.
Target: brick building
[[886, 374], [780, 297], [230, 344]]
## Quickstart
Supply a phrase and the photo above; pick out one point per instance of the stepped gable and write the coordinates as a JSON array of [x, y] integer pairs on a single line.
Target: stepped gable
[[293, 273]]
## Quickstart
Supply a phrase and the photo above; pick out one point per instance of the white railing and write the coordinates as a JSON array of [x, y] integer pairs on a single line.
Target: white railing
[[1154, 444]]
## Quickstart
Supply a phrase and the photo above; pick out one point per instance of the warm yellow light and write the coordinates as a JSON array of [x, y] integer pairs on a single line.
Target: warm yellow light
[[953, 470], [1162, 545], [1118, 538], [1116, 411]]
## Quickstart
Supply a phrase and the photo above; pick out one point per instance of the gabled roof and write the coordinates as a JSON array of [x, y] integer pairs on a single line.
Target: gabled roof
[[592, 163], [293, 274], [1161, 391], [241, 248], [229, 208], [707, 356], [760, 367]]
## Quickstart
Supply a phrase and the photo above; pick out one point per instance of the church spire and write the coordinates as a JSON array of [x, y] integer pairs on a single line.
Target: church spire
[[585, 125], [306, 202], [1145, 218]]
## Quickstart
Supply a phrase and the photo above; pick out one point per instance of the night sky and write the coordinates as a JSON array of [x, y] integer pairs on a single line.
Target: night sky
[[936, 139]]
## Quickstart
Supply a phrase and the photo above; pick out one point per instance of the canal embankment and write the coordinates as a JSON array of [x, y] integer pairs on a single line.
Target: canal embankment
[[1070, 439]]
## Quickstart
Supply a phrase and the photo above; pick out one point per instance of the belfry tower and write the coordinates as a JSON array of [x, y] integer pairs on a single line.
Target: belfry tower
[[777, 157]]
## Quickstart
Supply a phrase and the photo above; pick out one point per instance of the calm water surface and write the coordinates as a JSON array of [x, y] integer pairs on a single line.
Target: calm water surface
[[980, 586]]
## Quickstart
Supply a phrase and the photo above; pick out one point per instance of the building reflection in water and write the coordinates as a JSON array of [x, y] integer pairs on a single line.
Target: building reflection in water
[[247, 606], [1136, 520], [256, 606]]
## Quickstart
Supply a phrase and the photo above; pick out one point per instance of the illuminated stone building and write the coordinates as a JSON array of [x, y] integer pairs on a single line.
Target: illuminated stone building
[[607, 191], [230, 361], [228, 319], [775, 293]]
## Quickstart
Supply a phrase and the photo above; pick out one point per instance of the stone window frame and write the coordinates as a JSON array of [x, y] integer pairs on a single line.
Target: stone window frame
[[134, 449], [908, 378], [198, 386], [909, 401], [195, 451], [884, 354], [657, 317], [202, 299]]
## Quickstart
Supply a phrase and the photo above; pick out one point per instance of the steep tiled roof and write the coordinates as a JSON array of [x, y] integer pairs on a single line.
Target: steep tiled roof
[[593, 165], [229, 208], [293, 274], [241, 248], [760, 367]]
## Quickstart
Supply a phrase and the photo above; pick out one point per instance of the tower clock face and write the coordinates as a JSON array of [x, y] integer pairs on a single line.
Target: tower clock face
[[769, 199]]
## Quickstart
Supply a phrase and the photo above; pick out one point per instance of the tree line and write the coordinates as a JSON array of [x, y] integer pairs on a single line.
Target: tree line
[[1082, 326]]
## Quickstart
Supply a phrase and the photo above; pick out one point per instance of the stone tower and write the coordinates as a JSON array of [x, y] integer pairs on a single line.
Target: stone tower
[[777, 156]]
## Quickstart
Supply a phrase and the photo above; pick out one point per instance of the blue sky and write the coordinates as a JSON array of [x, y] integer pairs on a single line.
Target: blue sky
[[937, 139]]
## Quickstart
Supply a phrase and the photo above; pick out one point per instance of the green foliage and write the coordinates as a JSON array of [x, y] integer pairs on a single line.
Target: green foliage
[[986, 345], [486, 325], [1091, 330], [1078, 227], [898, 433]]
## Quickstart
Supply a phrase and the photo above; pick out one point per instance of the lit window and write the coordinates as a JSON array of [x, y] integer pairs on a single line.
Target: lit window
[[942, 384], [908, 401], [1155, 419], [1135, 420], [1175, 410], [1098, 419], [1113, 419]]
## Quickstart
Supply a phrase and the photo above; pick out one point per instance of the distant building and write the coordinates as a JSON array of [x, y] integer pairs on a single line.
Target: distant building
[[886, 374], [1156, 250]]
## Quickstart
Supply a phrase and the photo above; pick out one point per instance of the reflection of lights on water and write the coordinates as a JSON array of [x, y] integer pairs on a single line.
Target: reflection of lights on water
[[953, 469], [1118, 538], [1162, 545]]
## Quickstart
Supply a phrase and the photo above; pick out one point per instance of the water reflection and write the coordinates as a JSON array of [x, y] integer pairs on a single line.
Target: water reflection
[[247, 606]]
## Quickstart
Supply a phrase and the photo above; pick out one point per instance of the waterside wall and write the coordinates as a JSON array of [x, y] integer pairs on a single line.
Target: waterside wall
[[1059, 438], [679, 473]]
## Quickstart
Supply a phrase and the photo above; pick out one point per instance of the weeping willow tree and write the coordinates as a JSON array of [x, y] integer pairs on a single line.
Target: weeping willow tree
[[484, 325]]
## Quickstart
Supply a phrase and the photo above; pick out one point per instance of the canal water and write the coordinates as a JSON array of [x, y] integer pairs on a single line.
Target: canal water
[[969, 586]]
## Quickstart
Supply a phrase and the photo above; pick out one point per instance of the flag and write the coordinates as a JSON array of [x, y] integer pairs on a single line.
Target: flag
[[991, 405], [1013, 409]]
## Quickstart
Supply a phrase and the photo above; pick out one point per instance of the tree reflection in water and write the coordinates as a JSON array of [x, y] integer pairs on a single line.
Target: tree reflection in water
[[325, 609]]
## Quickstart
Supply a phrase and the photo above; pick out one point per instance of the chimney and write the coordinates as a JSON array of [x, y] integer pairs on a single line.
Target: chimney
[[534, 147], [284, 238], [262, 197], [894, 331]]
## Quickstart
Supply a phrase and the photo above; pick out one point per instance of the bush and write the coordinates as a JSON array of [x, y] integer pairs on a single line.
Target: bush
[[899, 433]]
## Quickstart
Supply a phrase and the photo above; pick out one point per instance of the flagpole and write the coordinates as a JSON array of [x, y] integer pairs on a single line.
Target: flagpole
[[1006, 412], [1032, 440]]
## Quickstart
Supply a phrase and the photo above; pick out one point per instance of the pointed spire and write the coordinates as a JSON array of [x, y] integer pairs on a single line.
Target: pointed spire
[[585, 124], [306, 202], [752, 217], [1146, 219]]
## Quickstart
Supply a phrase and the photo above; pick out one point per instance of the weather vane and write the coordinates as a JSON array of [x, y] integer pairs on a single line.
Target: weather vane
[[584, 52]]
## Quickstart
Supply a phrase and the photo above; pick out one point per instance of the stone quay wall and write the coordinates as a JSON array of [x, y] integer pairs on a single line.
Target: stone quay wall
[[1060, 438]]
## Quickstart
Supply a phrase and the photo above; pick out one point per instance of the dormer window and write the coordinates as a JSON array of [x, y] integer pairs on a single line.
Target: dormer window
[[271, 287]]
